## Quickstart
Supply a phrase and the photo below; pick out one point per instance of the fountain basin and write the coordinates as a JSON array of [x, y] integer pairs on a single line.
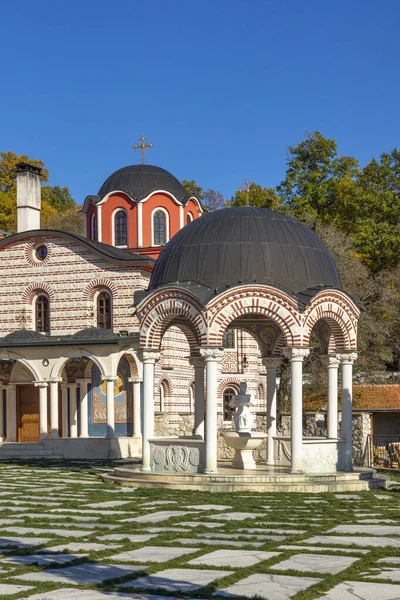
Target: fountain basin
[[243, 443]]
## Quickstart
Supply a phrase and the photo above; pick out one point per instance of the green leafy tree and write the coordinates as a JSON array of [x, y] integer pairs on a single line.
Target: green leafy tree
[[256, 195], [192, 188], [58, 197], [70, 220]]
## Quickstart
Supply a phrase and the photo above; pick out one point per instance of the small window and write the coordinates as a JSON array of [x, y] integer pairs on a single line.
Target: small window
[[164, 393], [41, 252], [104, 310], [229, 338], [42, 314], [94, 227], [189, 218], [160, 228], [192, 396], [121, 228], [228, 396]]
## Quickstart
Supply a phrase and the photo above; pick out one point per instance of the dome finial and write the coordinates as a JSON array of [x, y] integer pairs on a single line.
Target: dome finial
[[142, 146]]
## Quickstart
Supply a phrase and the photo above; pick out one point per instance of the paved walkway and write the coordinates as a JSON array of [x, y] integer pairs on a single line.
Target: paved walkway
[[65, 535]]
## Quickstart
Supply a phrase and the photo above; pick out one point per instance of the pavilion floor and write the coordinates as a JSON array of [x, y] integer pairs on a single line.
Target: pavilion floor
[[264, 479]]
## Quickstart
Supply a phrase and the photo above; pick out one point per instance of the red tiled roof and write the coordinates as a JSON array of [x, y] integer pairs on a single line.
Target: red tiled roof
[[365, 397]]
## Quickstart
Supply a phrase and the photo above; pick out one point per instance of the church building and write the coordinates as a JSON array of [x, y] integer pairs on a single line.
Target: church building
[[71, 362]]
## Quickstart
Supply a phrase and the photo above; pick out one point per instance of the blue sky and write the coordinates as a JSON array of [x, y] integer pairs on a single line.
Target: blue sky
[[221, 87]]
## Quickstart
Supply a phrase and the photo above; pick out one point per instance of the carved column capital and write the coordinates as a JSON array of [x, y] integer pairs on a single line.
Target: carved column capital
[[54, 379], [270, 362], [107, 378], [148, 355], [197, 362], [347, 358], [41, 384], [331, 361], [135, 379], [296, 354], [211, 353]]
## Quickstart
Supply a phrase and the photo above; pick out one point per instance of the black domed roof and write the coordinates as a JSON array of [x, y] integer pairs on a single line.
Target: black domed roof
[[245, 245], [138, 181]]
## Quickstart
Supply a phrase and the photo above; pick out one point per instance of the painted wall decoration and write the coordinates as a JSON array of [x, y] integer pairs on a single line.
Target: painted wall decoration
[[122, 397], [5, 370]]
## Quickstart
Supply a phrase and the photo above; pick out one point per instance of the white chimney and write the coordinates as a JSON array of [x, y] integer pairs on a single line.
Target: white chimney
[[28, 197]]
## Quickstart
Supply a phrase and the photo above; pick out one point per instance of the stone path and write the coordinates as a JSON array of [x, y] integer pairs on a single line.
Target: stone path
[[68, 536]]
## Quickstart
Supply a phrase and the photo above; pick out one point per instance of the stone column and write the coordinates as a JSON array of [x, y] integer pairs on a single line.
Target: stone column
[[271, 364], [54, 406], [64, 410], [346, 361], [83, 394], [149, 359], [198, 363], [211, 356], [137, 424], [110, 381], [12, 413], [296, 357], [43, 418], [332, 417], [73, 412]]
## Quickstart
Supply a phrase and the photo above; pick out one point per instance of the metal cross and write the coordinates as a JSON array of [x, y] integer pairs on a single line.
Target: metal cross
[[142, 146]]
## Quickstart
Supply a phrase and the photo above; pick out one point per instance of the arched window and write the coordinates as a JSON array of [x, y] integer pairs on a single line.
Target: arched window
[[260, 393], [229, 338], [94, 227], [121, 228], [104, 317], [229, 411], [42, 314], [189, 218], [164, 392], [191, 396], [159, 228]]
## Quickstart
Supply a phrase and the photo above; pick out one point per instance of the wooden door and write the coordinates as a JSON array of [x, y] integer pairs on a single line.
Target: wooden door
[[28, 413]]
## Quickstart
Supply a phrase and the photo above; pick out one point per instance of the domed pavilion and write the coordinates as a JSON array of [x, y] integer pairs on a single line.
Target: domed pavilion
[[268, 274]]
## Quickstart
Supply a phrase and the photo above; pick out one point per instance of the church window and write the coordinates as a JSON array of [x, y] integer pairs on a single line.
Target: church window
[[229, 339], [121, 228], [42, 314], [41, 252], [159, 228], [94, 227], [229, 411], [189, 218], [260, 392], [104, 310], [164, 393]]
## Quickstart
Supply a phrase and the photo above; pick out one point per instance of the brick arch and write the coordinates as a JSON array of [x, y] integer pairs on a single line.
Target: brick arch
[[32, 289], [341, 319], [172, 311], [90, 290], [228, 382], [255, 301]]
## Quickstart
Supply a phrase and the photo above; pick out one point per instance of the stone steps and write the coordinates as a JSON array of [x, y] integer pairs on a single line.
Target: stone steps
[[336, 482], [27, 451]]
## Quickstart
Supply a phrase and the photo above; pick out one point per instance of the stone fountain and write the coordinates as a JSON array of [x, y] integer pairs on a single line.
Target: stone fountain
[[243, 440]]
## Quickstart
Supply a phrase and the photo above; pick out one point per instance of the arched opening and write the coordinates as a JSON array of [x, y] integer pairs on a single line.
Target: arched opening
[[189, 218], [103, 301], [21, 404], [192, 396], [228, 396], [41, 304], [93, 227], [160, 227], [121, 228]]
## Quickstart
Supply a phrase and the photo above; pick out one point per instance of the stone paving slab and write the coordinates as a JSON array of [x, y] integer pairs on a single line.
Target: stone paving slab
[[174, 580], [208, 507], [79, 546], [392, 574], [342, 540], [152, 554], [41, 559], [157, 503], [108, 504], [156, 517], [78, 509], [56, 516], [237, 516], [270, 587], [272, 530], [368, 529], [228, 536], [22, 542], [218, 542], [315, 563], [58, 532], [73, 594], [90, 573], [233, 558], [359, 590], [390, 559], [134, 538], [320, 549], [7, 589]]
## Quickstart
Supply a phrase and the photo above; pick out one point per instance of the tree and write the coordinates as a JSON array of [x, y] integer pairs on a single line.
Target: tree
[[58, 197], [256, 196], [192, 188], [8, 169], [70, 220], [213, 200]]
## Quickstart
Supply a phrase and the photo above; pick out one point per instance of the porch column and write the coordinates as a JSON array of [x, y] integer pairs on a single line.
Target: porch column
[[149, 359], [137, 425], [73, 412], [110, 380], [332, 416], [1, 414], [211, 356], [296, 357], [346, 361], [83, 394], [64, 410], [54, 406], [12, 413], [271, 364], [198, 363], [43, 417]]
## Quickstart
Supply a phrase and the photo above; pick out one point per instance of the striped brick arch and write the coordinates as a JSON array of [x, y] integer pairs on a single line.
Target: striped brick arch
[[247, 300], [97, 284], [341, 314], [35, 288]]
